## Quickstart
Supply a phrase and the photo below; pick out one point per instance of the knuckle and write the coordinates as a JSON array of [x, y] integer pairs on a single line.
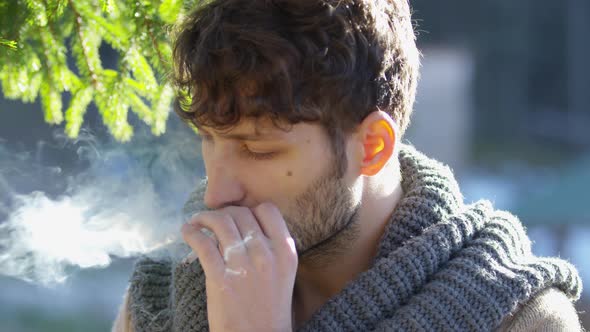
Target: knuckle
[[225, 223], [242, 210], [263, 260], [208, 252], [186, 229], [194, 219], [203, 217], [226, 218], [236, 210], [188, 234]]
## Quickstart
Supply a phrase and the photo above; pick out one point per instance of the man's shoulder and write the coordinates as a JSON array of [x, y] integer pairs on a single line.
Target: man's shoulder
[[550, 310]]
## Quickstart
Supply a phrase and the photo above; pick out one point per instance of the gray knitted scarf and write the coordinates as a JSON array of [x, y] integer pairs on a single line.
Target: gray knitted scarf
[[441, 265]]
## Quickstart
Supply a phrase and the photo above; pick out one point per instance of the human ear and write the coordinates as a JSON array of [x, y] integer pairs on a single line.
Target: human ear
[[378, 134]]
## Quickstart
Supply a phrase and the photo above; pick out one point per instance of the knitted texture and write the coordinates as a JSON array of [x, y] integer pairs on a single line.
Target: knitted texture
[[441, 265]]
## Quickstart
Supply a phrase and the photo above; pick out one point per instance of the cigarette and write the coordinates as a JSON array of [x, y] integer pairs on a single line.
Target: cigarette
[[192, 256]]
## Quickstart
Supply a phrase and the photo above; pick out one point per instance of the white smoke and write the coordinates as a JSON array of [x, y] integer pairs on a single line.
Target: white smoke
[[119, 200]]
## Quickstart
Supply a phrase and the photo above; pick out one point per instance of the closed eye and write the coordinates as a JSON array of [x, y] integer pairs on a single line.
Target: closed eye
[[257, 155]]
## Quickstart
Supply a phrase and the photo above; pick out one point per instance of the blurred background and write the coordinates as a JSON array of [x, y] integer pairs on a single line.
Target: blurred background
[[504, 100]]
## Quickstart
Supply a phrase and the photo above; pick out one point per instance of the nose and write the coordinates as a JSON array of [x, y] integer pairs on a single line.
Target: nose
[[223, 187]]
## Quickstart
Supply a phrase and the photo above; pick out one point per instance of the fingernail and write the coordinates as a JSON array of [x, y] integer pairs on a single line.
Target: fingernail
[[193, 220], [191, 257]]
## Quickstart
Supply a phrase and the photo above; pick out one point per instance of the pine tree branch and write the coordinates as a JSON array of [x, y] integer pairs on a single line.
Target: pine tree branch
[[46, 55], [61, 60], [135, 30], [148, 26], [78, 24], [153, 39]]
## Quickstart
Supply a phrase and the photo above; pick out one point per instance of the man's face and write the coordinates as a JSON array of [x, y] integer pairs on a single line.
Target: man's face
[[255, 162]]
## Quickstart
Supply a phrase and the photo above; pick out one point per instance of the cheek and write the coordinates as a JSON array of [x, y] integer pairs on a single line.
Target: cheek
[[278, 184], [265, 176]]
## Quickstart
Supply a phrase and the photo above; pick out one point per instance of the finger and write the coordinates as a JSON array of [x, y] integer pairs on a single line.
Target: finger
[[206, 249], [226, 231], [271, 220], [222, 225], [245, 221], [256, 241], [273, 224], [192, 256]]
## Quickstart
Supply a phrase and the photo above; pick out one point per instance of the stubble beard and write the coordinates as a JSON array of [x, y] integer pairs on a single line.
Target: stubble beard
[[324, 220]]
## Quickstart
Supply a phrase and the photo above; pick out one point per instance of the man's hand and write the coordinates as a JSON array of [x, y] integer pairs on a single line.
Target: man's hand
[[250, 278]]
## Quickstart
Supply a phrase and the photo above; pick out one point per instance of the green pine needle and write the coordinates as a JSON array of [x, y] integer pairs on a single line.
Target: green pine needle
[[11, 44], [44, 35]]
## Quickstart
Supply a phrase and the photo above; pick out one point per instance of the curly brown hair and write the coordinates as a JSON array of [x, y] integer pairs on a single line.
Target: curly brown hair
[[326, 61]]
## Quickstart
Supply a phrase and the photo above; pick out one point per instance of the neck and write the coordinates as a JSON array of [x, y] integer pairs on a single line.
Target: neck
[[316, 283]]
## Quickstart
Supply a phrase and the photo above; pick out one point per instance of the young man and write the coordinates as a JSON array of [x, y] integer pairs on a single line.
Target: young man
[[323, 219]]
